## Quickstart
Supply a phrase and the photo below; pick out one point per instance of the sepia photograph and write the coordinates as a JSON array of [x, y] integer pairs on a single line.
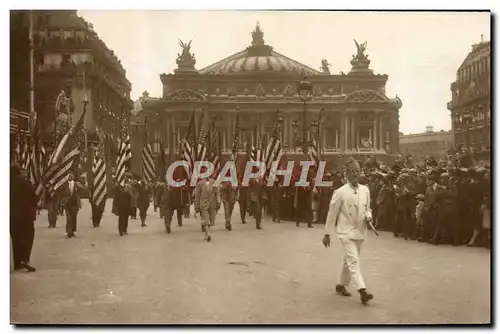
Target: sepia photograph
[[250, 167]]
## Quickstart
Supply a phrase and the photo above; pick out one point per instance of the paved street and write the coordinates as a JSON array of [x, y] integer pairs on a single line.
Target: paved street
[[281, 274]]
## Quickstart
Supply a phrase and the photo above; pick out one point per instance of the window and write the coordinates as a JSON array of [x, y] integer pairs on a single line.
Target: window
[[331, 138], [68, 34], [156, 142]]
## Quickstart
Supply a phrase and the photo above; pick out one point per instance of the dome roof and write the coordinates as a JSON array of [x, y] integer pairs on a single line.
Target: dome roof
[[259, 58]]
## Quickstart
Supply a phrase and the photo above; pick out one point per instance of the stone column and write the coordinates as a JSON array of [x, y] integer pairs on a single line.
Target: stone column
[[375, 130], [353, 132], [381, 132], [357, 137], [343, 134]]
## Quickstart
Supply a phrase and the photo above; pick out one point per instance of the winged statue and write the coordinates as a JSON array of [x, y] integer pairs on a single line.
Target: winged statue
[[361, 49], [186, 48]]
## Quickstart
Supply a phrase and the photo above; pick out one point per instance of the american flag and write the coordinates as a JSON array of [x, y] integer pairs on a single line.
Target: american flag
[[22, 150], [314, 154], [214, 146], [314, 149], [124, 155], [274, 149], [201, 152], [236, 143], [148, 164], [256, 153], [187, 144], [68, 139], [36, 161], [25, 154], [163, 160], [63, 159], [99, 189]]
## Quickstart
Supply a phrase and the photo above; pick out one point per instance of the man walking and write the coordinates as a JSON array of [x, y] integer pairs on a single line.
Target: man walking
[[70, 199], [350, 213], [143, 199], [228, 194], [22, 216], [121, 206], [207, 202]]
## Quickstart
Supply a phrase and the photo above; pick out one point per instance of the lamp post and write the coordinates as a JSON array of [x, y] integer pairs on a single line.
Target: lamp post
[[304, 90]]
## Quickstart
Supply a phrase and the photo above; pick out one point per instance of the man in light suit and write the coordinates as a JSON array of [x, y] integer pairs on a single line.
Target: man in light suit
[[350, 213], [207, 203]]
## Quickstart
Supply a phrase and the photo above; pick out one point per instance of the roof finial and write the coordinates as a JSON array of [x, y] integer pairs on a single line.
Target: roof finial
[[258, 36], [481, 36]]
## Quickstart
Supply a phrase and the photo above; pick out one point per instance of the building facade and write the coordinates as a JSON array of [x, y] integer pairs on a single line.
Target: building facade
[[357, 117], [470, 105], [428, 143], [70, 56]]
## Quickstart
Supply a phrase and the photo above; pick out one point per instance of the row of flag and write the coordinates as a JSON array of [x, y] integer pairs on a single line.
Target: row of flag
[[49, 173], [206, 147]]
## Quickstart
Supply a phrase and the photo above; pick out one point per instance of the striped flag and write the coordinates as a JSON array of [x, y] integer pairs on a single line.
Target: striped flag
[[148, 165], [187, 144], [124, 155], [25, 155], [163, 160], [214, 146], [274, 149], [256, 150], [201, 152], [314, 149], [236, 142], [68, 139], [99, 189], [57, 174], [314, 154]]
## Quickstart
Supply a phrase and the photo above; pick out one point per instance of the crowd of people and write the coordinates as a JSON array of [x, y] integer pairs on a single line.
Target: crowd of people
[[439, 202]]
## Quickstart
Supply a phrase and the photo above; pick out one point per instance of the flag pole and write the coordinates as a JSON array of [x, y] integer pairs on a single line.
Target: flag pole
[[32, 65], [85, 102]]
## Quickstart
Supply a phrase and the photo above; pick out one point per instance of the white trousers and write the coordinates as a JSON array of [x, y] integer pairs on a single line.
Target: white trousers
[[350, 268]]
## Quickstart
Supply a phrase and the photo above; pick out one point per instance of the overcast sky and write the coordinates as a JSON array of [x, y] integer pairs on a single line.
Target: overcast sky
[[419, 51]]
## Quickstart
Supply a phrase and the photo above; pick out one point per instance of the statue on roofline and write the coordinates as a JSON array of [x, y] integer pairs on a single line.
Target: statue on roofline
[[325, 66], [361, 49], [186, 59]]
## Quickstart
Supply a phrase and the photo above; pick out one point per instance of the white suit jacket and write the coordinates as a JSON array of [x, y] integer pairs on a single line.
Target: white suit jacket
[[348, 212]]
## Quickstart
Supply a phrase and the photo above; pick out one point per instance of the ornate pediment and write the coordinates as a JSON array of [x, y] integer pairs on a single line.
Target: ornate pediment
[[365, 95], [185, 95]]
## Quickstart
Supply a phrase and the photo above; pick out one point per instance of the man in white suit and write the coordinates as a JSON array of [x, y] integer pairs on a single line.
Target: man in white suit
[[350, 214]]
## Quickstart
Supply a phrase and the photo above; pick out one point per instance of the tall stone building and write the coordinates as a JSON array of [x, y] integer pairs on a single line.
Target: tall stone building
[[358, 118], [431, 143], [70, 56], [470, 105]]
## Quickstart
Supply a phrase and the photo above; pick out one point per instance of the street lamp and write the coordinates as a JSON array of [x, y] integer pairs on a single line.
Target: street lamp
[[304, 90]]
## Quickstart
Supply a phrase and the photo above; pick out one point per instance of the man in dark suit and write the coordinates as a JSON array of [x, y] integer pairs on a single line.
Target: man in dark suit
[[243, 202], [177, 202], [23, 206], [277, 195], [122, 202], [144, 197], [70, 199], [303, 206], [228, 196], [256, 189]]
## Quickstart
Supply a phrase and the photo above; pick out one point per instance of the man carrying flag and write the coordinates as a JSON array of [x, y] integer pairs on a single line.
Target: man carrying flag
[[99, 186]]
